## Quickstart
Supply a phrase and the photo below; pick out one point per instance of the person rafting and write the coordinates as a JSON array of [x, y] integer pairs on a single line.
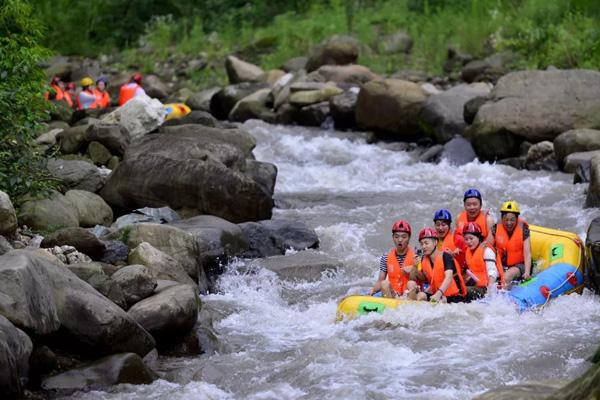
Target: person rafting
[[131, 89], [441, 270], [397, 268], [86, 99], [447, 240], [482, 268], [473, 203], [513, 244], [101, 92]]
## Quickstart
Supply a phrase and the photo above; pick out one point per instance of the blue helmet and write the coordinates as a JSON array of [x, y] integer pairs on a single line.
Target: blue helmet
[[472, 193], [443, 215]]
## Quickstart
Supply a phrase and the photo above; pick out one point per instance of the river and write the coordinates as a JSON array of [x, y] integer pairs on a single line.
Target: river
[[278, 339]]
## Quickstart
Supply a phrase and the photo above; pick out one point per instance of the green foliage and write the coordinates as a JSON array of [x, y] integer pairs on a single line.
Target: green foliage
[[22, 167], [124, 235]]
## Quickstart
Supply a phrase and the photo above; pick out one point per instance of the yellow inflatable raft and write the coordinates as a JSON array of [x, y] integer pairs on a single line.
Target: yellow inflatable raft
[[558, 269], [176, 110]]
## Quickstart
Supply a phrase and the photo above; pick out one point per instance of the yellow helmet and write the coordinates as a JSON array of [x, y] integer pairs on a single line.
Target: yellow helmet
[[510, 206], [87, 81]]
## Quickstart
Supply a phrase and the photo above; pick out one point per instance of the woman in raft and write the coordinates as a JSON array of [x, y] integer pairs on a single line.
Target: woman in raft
[[448, 241]]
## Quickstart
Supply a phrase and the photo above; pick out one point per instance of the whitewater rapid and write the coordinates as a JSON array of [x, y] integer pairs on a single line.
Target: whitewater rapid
[[278, 339]]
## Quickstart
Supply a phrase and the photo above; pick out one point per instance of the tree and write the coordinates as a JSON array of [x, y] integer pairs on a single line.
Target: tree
[[22, 165]]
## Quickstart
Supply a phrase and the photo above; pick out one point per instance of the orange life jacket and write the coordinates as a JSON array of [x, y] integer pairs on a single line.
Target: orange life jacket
[[451, 242], [127, 92], [90, 93], [476, 264], [511, 246], [60, 94], [395, 275], [102, 98], [480, 220], [68, 99], [436, 274]]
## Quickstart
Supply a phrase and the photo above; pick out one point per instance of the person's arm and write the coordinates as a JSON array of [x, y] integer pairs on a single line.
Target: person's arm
[[527, 256], [449, 270], [489, 257], [377, 287]]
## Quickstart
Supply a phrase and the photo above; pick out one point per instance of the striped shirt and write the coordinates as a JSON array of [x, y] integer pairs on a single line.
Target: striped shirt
[[383, 261]]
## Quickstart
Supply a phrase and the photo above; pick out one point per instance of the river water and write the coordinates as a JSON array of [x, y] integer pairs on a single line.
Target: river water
[[278, 339]]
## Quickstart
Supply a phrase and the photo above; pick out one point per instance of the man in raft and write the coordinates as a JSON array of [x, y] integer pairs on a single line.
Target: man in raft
[[397, 268], [441, 271], [473, 213], [513, 245]]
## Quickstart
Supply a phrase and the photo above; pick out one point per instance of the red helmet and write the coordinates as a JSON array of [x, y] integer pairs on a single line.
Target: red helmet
[[428, 233], [401, 226], [55, 80], [137, 78], [473, 228]]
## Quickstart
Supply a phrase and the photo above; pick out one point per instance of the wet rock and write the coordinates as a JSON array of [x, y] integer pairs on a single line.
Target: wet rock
[[159, 264], [593, 194], [308, 97], [488, 69], [391, 106], [295, 64], [534, 106], [112, 136], [68, 254], [5, 245], [250, 107], [94, 274], [592, 247], [271, 76], [155, 88], [305, 265], [51, 213], [80, 238], [48, 138], [76, 174], [342, 109], [431, 154], [138, 116], [458, 151], [136, 282], [73, 139], [8, 216], [179, 170], [586, 386], [223, 101], [472, 106], [98, 153], [116, 252], [263, 173], [354, 74], [91, 209], [42, 361], [526, 391], [168, 315], [201, 101], [236, 137], [108, 371], [574, 161], [195, 117], [41, 295], [442, 114], [239, 71], [540, 156], [15, 349], [312, 115], [294, 234], [575, 141], [399, 42], [337, 50], [262, 241]]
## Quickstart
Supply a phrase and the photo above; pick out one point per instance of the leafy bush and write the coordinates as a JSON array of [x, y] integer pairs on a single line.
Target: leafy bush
[[22, 166]]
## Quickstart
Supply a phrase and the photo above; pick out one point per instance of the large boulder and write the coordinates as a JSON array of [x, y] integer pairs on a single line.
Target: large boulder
[[101, 374], [80, 238], [540, 156], [304, 266], [489, 69], [73, 139], [458, 151], [535, 106], [201, 101], [76, 174], [582, 160], [181, 170], [337, 50], [138, 116], [592, 248], [390, 105], [8, 216], [94, 274], [155, 88], [223, 101], [312, 115], [168, 315], [236, 137], [40, 295], [112, 136], [354, 73], [239, 71], [15, 349], [442, 114], [136, 282], [91, 209], [251, 107], [342, 110], [575, 141], [273, 237], [593, 194], [159, 264], [47, 214], [263, 173]]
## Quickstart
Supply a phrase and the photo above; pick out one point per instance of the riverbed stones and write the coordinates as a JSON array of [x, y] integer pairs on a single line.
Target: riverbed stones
[[489, 69], [239, 71], [525, 391], [180, 170], [138, 116], [41, 295], [308, 97], [155, 87], [8, 216], [458, 151], [593, 194], [592, 245], [94, 274], [535, 106], [303, 266], [72, 140], [337, 50], [80, 238], [540, 156], [91, 209], [342, 109], [579, 160], [159, 264], [50, 213], [112, 136], [312, 115], [98, 153], [135, 281], [350, 74], [108, 371], [225, 99], [76, 174], [263, 173], [201, 101], [15, 349], [168, 315], [251, 107], [574, 141], [442, 114], [391, 106]]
